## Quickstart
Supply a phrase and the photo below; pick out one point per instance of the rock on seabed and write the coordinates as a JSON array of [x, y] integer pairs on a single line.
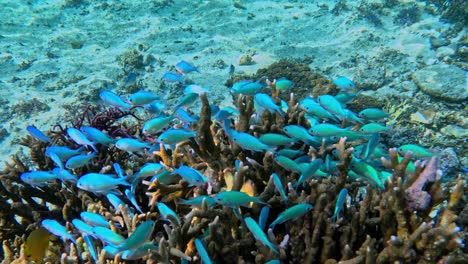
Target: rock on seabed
[[444, 81]]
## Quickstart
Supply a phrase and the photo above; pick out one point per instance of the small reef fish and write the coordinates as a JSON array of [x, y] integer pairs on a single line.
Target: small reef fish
[[283, 84], [273, 139], [131, 145], [187, 100], [258, 233], [373, 114], [91, 247], [343, 83], [340, 201], [315, 109], [79, 161], [139, 237], [279, 186], [249, 142], [235, 199], [174, 136], [37, 134], [142, 97], [172, 77], [369, 172], [100, 183], [308, 172], [288, 164], [79, 138], [149, 169], [246, 87], [155, 125], [133, 200], [57, 229], [418, 151], [165, 212], [36, 245], [38, 178], [293, 212], [115, 201], [194, 88], [184, 67], [301, 133], [94, 219], [83, 227], [205, 258], [192, 176], [97, 135], [197, 201], [372, 128], [327, 130], [139, 252], [113, 99], [263, 218], [185, 117], [332, 105], [64, 153], [108, 236], [265, 101]]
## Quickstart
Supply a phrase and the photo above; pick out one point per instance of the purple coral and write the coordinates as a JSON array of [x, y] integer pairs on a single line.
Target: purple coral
[[417, 198]]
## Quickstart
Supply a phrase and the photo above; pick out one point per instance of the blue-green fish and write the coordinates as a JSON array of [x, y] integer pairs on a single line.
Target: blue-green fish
[[108, 236], [100, 183], [235, 199], [315, 109], [139, 237], [192, 176], [97, 135], [155, 125], [90, 246], [94, 219], [340, 201], [279, 186], [186, 117], [184, 67], [165, 211], [283, 84], [265, 101], [301, 133], [57, 229], [79, 138], [332, 105], [131, 145], [37, 134], [308, 172], [140, 252], [327, 130], [245, 87], [148, 170], [343, 83], [418, 151], [142, 97], [113, 99], [172, 77], [205, 258], [194, 88], [289, 153], [373, 128], [288, 164], [373, 114], [79, 161], [83, 227], [273, 139], [258, 233], [197, 201], [131, 196], [174, 136], [367, 171], [263, 218], [293, 212], [38, 178], [249, 142], [62, 152], [115, 201], [187, 100]]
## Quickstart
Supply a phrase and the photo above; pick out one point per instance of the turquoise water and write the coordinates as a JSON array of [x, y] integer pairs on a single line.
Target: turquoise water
[[406, 58]]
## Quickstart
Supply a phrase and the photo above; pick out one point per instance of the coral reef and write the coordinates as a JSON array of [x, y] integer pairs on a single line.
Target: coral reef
[[403, 213]]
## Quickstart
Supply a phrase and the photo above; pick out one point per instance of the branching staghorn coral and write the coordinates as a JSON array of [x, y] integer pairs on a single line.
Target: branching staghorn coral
[[377, 225]]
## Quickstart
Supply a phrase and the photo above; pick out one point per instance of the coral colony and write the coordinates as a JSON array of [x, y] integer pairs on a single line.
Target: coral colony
[[288, 175]]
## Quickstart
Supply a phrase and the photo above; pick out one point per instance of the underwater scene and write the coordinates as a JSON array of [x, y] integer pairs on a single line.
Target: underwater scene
[[176, 131]]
